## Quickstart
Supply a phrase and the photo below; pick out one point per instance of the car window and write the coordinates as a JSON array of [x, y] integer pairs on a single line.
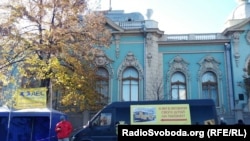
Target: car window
[[103, 119]]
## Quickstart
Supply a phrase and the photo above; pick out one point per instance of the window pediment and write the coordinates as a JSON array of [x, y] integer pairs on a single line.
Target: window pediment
[[209, 64], [101, 59], [130, 61], [178, 64]]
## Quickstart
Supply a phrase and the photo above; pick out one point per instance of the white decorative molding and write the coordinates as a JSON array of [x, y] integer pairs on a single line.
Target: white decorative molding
[[209, 64], [245, 75], [130, 61], [149, 40], [101, 60], [149, 57], [236, 40], [248, 37], [246, 66], [117, 45], [149, 13], [178, 64]]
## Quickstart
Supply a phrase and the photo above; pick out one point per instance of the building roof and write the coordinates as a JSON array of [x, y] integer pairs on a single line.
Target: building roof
[[239, 14], [120, 16], [242, 11]]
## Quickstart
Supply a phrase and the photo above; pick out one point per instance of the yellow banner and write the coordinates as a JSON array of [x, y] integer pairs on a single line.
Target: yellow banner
[[30, 98], [164, 114]]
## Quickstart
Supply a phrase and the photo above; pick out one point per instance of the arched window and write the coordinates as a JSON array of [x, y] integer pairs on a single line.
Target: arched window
[[130, 85], [178, 86], [210, 87], [103, 82]]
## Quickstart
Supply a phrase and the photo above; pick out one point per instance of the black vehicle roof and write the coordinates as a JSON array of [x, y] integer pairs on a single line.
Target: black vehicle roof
[[191, 102]]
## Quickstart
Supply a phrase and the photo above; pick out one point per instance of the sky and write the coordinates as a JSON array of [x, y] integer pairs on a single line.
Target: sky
[[180, 16]]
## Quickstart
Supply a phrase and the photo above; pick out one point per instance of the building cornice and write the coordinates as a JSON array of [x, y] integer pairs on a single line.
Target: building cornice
[[194, 42]]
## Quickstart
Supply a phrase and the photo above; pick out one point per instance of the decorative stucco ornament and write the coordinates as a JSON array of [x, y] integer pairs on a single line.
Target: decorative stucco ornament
[[248, 36]]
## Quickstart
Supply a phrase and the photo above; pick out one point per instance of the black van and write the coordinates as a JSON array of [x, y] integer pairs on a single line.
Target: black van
[[103, 126]]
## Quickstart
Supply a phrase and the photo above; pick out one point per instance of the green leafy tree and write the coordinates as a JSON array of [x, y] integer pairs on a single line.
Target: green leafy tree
[[53, 41]]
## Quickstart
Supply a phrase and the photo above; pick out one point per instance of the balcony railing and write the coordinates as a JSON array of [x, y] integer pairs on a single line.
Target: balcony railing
[[170, 37], [138, 24], [183, 37]]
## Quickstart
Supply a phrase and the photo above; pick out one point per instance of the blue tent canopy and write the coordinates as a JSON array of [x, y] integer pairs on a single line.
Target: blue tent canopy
[[4, 114], [29, 124]]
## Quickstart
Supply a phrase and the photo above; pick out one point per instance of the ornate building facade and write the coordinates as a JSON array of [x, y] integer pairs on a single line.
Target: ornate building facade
[[143, 63]]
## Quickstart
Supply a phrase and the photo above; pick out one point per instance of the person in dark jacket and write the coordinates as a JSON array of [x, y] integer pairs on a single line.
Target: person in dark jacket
[[63, 129], [240, 122], [222, 121]]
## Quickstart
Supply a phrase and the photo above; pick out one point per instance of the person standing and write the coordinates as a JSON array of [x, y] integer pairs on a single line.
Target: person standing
[[240, 122], [63, 129], [222, 121]]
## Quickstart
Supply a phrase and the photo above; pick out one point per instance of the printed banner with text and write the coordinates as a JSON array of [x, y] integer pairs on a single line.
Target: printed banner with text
[[30, 98], [166, 114]]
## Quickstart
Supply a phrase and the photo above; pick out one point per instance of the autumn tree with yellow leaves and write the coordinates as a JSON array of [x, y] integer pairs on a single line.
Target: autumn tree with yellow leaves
[[53, 42]]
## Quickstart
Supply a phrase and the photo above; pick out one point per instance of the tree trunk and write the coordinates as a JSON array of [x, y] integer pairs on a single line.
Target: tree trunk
[[46, 83]]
